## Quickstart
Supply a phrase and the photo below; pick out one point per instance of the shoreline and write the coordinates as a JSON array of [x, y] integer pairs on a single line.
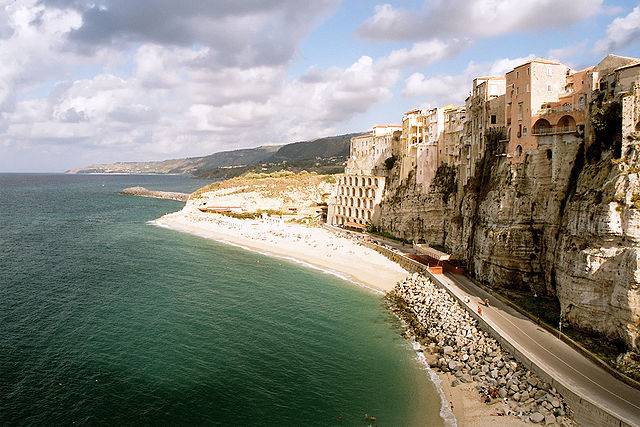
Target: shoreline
[[313, 247], [365, 268], [282, 257]]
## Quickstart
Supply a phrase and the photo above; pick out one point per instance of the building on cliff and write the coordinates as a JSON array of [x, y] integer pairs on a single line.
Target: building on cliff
[[450, 145], [359, 190], [485, 109], [555, 210], [616, 82], [531, 86], [413, 133], [368, 152], [427, 148]]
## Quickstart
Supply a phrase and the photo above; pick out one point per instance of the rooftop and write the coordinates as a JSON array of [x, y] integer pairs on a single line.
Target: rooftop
[[535, 60]]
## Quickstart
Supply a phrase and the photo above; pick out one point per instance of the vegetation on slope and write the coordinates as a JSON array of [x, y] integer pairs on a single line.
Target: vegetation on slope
[[274, 184]]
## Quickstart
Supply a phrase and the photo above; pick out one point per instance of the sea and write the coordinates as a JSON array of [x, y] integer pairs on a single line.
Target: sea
[[106, 319]]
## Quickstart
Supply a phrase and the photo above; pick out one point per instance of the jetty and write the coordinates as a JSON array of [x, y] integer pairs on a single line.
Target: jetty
[[144, 192]]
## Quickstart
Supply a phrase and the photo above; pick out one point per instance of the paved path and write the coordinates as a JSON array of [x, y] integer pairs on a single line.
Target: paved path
[[558, 359]]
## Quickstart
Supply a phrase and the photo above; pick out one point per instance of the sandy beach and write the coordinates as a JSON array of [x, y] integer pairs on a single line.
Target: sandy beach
[[312, 246]]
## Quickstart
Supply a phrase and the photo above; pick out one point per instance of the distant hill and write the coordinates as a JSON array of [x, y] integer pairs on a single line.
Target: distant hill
[[323, 155]]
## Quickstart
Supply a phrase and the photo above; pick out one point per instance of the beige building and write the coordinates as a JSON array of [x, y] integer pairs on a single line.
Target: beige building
[[358, 192], [452, 135], [530, 86], [369, 151], [485, 111], [427, 149], [617, 78], [628, 78], [413, 133]]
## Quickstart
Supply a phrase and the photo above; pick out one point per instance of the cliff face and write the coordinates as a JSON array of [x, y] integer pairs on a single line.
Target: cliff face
[[563, 222], [597, 259]]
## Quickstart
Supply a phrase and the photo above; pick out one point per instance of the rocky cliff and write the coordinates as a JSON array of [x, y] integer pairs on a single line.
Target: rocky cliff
[[282, 193], [565, 222]]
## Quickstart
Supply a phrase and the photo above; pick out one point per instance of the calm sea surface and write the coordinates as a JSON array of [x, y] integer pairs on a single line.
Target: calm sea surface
[[105, 319]]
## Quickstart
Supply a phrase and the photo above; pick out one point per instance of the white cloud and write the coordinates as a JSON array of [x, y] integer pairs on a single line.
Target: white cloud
[[28, 52], [77, 84], [621, 33], [481, 18], [567, 52], [423, 53], [192, 110], [453, 89]]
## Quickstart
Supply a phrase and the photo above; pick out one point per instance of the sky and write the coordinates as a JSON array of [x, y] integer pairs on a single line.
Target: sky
[[95, 81]]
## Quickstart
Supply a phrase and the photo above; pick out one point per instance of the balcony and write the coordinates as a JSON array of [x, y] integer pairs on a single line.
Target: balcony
[[559, 109], [556, 130]]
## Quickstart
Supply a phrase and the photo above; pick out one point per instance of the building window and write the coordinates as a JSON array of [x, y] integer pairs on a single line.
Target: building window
[[528, 71], [527, 90], [548, 88], [494, 119], [518, 151], [549, 73], [524, 130]]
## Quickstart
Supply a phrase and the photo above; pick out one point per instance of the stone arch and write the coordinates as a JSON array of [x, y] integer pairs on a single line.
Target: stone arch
[[368, 215], [567, 122], [549, 154], [518, 151], [368, 181], [541, 127]]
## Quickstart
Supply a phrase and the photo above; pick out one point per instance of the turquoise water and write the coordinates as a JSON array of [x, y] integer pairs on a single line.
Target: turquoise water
[[105, 319]]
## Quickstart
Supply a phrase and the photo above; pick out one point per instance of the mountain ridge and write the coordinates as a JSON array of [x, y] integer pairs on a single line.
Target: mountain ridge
[[325, 155]]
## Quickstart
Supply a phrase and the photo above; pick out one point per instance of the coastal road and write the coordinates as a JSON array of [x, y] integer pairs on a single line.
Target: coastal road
[[562, 362], [567, 366]]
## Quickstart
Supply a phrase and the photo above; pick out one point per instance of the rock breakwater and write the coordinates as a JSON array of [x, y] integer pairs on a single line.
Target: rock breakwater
[[144, 192], [453, 343]]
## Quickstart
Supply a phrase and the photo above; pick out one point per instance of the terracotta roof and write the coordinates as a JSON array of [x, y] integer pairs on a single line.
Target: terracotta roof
[[628, 66], [539, 60]]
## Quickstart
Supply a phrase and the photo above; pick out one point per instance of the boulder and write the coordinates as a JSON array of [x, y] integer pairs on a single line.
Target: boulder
[[536, 417]]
